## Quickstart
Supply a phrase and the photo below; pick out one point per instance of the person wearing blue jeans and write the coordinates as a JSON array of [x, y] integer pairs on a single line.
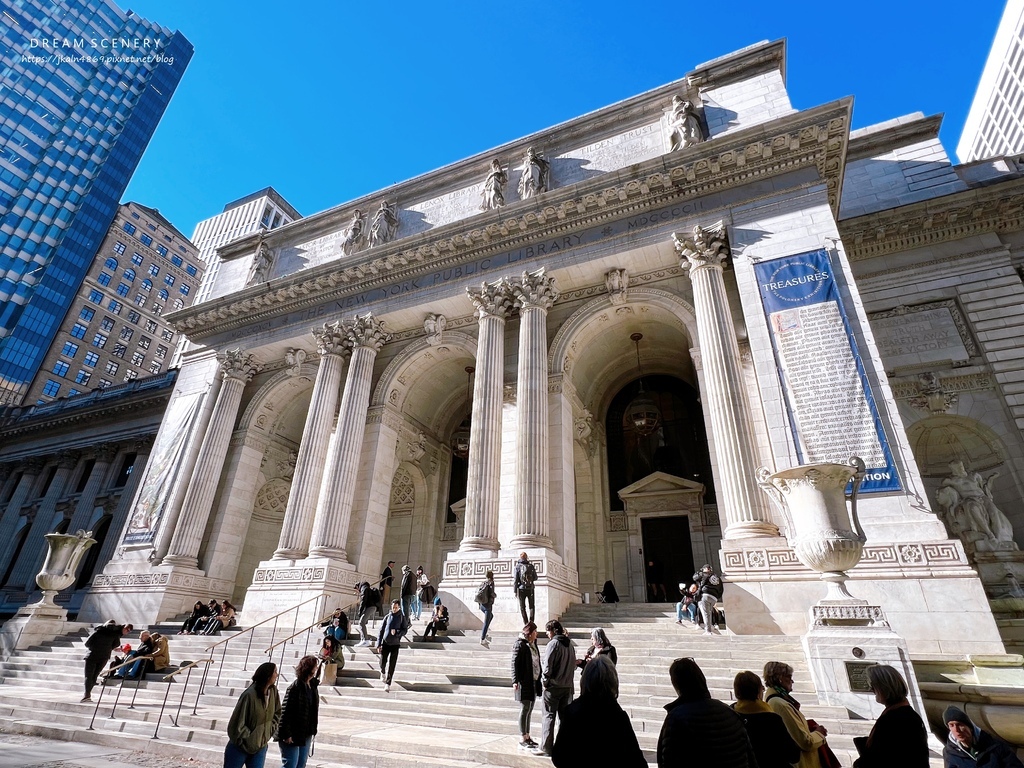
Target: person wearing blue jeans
[[300, 715], [254, 720], [485, 599], [690, 608]]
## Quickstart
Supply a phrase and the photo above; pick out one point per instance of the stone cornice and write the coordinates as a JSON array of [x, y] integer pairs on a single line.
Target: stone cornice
[[869, 143], [996, 208], [813, 138]]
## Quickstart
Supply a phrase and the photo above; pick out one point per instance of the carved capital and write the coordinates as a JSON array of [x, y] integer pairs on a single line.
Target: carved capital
[[68, 459], [33, 466], [492, 299], [695, 356], [106, 452], [617, 283], [434, 326], [143, 445], [704, 248], [235, 364], [534, 290], [331, 339], [294, 358], [367, 331]]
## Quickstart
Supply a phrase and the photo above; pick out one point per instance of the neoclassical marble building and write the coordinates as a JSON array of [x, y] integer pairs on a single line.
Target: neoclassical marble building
[[568, 346]]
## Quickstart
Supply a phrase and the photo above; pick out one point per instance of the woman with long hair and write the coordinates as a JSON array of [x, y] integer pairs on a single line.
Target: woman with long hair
[[300, 715], [526, 681], [600, 645], [254, 720]]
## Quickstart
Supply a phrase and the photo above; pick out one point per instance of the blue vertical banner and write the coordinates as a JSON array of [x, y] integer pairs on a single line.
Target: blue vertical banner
[[832, 412]]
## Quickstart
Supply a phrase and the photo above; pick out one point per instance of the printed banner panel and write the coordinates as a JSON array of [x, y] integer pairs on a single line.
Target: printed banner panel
[[831, 409]]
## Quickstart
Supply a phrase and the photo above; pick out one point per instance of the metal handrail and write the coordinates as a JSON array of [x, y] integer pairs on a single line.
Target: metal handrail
[[169, 678], [117, 698], [305, 630]]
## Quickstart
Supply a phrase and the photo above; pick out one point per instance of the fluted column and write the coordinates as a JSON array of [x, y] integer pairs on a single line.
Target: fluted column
[[365, 337], [724, 393], [12, 512], [119, 514], [24, 574], [534, 293], [87, 501], [492, 303], [237, 369], [316, 437]]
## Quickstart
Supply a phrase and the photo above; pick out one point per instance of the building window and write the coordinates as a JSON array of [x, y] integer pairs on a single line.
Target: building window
[[176, 261], [164, 294], [129, 375], [146, 239], [122, 289], [119, 350], [138, 358], [167, 334], [104, 383], [87, 314], [137, 259], [78, 331], [72, 392], [99, 340], [61, 368], [127, 333], [144, 342], [70, 349], [118, 249], [115, 306], [161, 352], [82, 377], [154, 270], [133, 316], [95, 296], [107, 324], [154, 367], [51, 388], [129, 275], [184, 289], [178, 303], [169, 279], [111, 368], [111, 264], [162, 250], [103, 279], [147, 285], [150, 326], [140, 299], [129, 228], [91, 358], [157, 310], [191, 270]]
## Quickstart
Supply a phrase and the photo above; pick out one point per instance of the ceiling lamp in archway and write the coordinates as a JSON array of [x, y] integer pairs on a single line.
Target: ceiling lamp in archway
[[460, 438], [642, 411]]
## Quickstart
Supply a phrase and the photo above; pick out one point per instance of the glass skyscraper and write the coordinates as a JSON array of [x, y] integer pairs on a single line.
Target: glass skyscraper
[[83, 86]]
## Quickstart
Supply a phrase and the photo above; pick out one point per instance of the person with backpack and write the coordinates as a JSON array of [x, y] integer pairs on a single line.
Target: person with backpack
[[485, 595], [408, 591], [709, 591], [524, 578], [369, 599]]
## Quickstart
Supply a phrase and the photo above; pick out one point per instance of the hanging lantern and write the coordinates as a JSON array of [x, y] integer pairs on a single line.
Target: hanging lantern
[[460, 438], [642, 411]]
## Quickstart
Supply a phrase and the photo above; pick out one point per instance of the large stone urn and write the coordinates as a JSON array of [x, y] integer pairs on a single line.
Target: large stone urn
[[825, 534], [63, 555]]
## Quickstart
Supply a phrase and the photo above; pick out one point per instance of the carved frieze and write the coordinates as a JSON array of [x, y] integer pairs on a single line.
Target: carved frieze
[[616, 281]]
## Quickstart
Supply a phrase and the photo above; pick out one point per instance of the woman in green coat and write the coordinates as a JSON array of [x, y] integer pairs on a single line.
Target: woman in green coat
[[254, 720]]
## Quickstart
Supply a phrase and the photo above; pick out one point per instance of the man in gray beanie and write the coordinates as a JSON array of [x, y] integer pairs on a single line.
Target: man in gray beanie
[[970, 747]]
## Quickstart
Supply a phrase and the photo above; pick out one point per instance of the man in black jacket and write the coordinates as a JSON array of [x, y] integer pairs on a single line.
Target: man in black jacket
[[709, 589], [525, 577], [387, 578], [970, 747], [408, 590], [101, 644]]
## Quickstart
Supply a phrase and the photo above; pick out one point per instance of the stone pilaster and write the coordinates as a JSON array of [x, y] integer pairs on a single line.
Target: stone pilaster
[[492, 302], [746, 513], [237, 369], [534, 293], [24, 574], [87, 501], [364, 336], [316, 437], [12, 512], [119, 515]]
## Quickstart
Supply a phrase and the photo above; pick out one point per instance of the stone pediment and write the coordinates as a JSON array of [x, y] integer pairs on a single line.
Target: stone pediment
[[660, 491]]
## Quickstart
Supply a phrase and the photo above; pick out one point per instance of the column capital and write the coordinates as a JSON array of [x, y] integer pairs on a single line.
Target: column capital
[[492, 299], [106, 452], [331, 339], [235, 364], [143, 444], [534, 290], [33, 465], [68, 459], [366, 331], [706, 247]]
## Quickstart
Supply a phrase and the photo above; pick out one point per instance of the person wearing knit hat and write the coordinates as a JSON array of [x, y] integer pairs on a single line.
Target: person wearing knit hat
[[968, 746]]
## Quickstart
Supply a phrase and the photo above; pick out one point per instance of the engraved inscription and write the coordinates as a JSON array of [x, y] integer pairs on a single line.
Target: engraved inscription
[[919, 337]]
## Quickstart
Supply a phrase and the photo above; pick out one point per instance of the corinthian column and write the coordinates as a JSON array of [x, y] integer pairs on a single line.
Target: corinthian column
[[12, 513], [316, 436], [364, 336], [534, 293], [724, 392], [87, 501], [492, 303], [237, 370]]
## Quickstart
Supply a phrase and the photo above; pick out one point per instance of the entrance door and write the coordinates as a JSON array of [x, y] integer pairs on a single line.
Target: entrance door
[[667, 544]]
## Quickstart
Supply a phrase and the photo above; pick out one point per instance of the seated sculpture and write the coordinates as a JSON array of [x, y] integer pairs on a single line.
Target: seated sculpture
[[970, 513]]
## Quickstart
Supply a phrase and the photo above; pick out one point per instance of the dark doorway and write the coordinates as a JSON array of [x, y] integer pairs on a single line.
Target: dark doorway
[[667, 544]]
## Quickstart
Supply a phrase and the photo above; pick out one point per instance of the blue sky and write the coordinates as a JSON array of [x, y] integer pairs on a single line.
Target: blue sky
[[327, 101]]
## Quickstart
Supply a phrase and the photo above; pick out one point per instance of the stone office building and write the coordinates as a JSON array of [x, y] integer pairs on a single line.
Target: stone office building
[[583, 345]]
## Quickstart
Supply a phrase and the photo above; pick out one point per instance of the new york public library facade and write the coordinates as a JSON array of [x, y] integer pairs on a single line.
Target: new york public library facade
[[324, 420]]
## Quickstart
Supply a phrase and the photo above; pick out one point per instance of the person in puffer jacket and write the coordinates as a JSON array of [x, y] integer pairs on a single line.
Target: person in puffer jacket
[[558, 668], [970, 747]]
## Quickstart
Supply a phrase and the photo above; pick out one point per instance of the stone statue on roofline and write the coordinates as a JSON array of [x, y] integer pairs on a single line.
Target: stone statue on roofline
[[354, 233], [683, 125], [970, 512], [536, 174], [384, 226], [262, 262], [493, 193]]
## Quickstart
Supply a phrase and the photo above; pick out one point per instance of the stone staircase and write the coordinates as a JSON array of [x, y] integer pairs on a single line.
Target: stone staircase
[[450, 704]]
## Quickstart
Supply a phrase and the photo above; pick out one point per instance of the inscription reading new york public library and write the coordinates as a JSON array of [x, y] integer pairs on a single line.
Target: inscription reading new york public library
[[481, 267]]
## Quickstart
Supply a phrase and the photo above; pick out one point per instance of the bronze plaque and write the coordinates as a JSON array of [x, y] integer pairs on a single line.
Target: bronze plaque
[[856, 671]]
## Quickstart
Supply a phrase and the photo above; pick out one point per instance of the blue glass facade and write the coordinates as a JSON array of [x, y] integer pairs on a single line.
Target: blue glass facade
[[83, 86]]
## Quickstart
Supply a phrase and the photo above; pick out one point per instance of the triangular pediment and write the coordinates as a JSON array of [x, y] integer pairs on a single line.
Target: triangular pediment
[[659, 484]]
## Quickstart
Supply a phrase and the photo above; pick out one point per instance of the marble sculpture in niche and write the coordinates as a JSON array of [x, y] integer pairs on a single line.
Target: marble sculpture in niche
[[683, 125], [493, 192], [536, 175], [384, 226], [970, 513], [353, 233]]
